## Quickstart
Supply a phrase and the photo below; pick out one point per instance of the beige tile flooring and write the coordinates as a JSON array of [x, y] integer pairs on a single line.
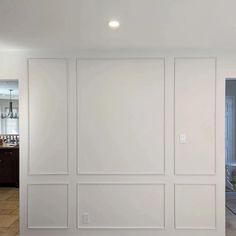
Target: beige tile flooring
[[9, 211]]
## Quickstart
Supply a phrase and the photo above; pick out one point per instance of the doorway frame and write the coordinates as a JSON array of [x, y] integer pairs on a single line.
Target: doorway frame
[[232, 77], [20, 89]]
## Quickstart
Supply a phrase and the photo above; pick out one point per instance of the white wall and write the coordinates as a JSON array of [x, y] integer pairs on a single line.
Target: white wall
[[199, 187]]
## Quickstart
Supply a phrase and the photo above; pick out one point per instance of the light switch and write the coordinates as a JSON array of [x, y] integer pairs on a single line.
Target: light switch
[[182, 138], [85, 218]]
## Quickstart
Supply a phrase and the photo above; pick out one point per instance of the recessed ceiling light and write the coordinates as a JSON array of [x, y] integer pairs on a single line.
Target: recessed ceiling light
[[114, 24]]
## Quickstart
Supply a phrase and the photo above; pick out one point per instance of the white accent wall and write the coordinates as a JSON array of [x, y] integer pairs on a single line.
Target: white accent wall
[[121, 107], [116, 163]]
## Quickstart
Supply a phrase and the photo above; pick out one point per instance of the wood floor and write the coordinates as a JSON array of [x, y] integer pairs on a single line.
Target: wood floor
[[9, 212]]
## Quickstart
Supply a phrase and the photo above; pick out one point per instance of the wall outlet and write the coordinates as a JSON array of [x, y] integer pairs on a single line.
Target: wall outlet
[[182, 138], [85, 218]]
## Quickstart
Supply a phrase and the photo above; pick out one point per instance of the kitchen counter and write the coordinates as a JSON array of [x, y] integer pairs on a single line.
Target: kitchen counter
[[9, 146]]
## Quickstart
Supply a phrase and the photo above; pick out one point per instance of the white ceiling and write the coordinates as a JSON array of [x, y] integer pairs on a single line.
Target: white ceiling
[[145, 24]]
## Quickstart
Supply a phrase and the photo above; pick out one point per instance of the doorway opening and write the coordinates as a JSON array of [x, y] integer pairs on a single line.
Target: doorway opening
[[230, 156], [9, 157]]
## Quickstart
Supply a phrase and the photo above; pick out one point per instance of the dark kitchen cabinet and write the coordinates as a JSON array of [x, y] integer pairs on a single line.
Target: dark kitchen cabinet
[[9, 166]]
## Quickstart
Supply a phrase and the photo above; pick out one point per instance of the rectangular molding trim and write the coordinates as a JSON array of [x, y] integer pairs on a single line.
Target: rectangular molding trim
[[67, 205], [213, 173], [119, 173], [119, 227], [34, 173], [194, 227]]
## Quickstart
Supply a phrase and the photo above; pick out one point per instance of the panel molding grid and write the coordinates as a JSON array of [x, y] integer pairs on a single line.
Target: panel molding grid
[[95, 184], [64, 136], [190, 171], [118, 172], [47, 205], [199, 199]]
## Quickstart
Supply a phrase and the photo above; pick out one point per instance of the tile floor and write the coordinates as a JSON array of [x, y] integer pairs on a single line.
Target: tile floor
[[9, 211]]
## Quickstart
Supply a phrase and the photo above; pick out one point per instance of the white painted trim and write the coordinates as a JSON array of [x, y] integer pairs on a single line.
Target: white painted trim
[[194, 228], [121, 173], [121, 227], [77, 118], [215, 95], [30, 173], [48, 227]]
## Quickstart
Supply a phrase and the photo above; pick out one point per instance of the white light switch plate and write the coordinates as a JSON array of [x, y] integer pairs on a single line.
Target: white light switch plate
[[182, 138], [85, 218]]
